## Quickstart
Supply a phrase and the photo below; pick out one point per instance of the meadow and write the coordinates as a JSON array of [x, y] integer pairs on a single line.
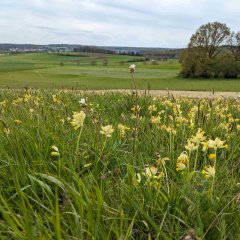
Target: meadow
[[99, 71], [77, 166]]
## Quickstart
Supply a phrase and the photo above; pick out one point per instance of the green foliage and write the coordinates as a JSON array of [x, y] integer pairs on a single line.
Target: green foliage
[[95, 193], [208, 54], [42, 70]]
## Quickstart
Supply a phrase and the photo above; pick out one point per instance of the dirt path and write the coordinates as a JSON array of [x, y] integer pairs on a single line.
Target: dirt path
[[158, 93]]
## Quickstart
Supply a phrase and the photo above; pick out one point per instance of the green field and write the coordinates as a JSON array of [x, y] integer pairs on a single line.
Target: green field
[[86, 71], [166, 170]]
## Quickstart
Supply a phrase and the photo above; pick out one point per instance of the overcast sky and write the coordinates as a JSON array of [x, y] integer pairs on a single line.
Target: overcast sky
[[141, 23]]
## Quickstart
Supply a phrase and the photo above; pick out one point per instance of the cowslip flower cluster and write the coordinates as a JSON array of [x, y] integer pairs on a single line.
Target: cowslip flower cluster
[[55, 151], [152, 108], [208, 172], [152, 176], [182, 161], [78, 119], [107, 131], [122, 129]]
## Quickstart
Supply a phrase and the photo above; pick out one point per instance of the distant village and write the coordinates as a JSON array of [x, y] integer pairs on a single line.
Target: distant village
[[159, 53]]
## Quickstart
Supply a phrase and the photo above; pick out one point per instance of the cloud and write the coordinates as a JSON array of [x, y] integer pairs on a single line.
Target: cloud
[[159, 23]]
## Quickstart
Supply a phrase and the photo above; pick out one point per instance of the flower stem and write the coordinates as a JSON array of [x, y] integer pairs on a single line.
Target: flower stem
[[78, 141]]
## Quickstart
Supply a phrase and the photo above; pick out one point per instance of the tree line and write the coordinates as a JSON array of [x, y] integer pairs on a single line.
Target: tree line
[[213, 51]]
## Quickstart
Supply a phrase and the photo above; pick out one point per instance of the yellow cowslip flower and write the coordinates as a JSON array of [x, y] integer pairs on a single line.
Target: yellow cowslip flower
[[55, 151], [107, 130], [215, 144], [55, 99], [3, 103], [238, 127], [122, 129], [18, 122], [155, 120], [180, 166], [54, 148], [87, 165], [212, 156], [191, 146], [152, 108], [199, 136], [31, 110], [152, 173], [208, 172], [138, 176], [182, 161], [6, 131], [136, 108], [171, 130], [27, 97], [183, 158], [17, 101], [78, 119], [205, 146]]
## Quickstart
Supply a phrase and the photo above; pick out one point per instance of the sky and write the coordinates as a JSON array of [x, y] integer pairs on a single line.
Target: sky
[[134, 23]]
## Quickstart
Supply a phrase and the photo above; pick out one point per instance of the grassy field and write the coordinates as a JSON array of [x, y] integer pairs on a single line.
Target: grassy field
[[87, 71], [118, 167]]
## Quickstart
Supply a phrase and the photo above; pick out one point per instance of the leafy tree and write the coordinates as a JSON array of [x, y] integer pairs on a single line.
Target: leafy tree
[[234, 43], [209, 38], [213, 51]]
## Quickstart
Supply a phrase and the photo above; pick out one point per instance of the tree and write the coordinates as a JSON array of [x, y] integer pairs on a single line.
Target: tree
[[234, 44], [213, 51], [208, 39]]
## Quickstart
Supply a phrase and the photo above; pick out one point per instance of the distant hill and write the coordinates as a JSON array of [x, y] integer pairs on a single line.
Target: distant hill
[[162, 53]]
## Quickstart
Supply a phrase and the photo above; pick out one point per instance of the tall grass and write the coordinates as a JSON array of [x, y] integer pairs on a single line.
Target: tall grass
[[102, 190]]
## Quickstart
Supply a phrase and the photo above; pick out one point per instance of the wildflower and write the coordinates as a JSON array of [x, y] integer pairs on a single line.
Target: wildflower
[[27, 97], [205, 146], [150, 171], [6, 131], [3, 103], [78, 119], [152, 108], [199, 136], [87, 165], [31, 111], [54, 148], [55, 151], [208, 172], [162, 160], [18, 122], [136, 108], [191, 147], [191, 235], [55, 99], [182, 161], [155, 120], [107, 130], [180, 166], [171, 130], [17, 101], [138, 175], [132, 68], [238, 127], [122, 129], [212, 156], [215, 144], [82, 101]]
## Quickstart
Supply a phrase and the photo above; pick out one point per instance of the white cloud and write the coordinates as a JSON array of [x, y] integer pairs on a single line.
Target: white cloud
[[160, 23]]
